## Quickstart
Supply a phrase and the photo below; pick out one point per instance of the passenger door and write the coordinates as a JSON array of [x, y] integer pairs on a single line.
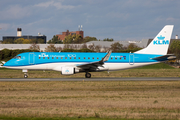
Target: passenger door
[[31, 58], [131, 59]]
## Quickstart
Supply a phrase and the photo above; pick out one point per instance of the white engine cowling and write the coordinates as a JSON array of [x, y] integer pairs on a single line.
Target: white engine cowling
[[103, 68], [68, 70]]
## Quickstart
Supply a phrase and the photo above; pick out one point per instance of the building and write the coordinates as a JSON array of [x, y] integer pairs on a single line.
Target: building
[[19, 35], [26, 46], [104, 45], [64, 34], [107, 44]]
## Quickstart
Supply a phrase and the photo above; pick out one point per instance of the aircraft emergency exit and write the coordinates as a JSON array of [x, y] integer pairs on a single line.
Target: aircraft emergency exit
[[69, 63]]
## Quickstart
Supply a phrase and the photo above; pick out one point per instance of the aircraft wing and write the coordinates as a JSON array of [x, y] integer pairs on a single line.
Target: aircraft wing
[[165, 57], [94, 65]]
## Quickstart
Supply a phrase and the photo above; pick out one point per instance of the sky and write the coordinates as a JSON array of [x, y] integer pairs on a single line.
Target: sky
[[117, 19]]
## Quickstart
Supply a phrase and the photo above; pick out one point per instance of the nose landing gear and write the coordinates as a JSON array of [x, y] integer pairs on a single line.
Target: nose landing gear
[[25, 75]]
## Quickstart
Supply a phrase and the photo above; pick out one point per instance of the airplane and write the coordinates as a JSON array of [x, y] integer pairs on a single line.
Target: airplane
[[69, 63]]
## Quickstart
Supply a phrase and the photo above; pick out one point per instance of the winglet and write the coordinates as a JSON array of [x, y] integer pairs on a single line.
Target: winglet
[[107, 56]]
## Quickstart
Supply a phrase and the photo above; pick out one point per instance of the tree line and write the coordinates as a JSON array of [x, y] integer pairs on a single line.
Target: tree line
[[175, 48], [7, 54], [74, 39], [23, 41], [115, 47], [70, 39]]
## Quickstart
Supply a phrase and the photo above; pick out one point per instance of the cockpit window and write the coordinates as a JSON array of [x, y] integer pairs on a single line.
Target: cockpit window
[[17, 57]]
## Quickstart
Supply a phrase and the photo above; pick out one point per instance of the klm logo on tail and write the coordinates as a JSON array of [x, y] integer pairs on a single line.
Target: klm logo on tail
[[161, 41]]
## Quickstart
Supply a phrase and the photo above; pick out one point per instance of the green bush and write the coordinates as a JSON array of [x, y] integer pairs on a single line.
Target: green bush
[[80, 50], [7, 54]]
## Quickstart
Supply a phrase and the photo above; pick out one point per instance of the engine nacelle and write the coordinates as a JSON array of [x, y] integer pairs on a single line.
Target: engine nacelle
[[103, 68], [68, 70]]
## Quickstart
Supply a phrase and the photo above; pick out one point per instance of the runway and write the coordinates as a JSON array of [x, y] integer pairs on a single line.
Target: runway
[[92, 79]]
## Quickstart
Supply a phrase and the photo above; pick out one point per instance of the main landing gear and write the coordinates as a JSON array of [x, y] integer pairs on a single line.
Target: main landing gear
[[88, 75]]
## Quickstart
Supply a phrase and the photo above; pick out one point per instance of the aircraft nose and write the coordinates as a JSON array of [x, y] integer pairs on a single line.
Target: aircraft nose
[[8, 63]]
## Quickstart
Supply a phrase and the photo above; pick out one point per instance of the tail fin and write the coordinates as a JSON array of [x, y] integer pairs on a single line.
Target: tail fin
[[159, 45]]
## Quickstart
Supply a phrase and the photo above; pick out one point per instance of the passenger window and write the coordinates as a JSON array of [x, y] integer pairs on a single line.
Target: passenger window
[[65, 57], [52, 57], [43, 57], [93, 57], [97, 58], [79, 57], [56, 57], [84, 58], [116, 58], [124, 58], [61, 57], [48, 57], [74, 57], [111, 58], [70, 57], [88, 57], [120, 58], [39, 57]]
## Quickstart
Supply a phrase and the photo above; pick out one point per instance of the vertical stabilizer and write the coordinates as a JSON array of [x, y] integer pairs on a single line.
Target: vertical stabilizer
[[159, 45]]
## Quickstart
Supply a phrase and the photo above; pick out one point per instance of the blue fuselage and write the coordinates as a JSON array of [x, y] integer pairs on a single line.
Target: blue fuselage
[[49, 60]]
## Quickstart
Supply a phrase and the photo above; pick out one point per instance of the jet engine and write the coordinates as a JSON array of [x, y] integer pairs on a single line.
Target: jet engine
[[68, 70]]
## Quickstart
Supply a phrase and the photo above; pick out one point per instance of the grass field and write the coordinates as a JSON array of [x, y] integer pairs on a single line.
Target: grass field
[[90, 100], [157, 70], [53, 100]]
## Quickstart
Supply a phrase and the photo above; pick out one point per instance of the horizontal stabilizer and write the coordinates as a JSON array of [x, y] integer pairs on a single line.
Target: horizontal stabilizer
[[165, 57]]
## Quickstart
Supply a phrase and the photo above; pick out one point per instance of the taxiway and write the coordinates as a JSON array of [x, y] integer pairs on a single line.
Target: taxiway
[[93, 79]]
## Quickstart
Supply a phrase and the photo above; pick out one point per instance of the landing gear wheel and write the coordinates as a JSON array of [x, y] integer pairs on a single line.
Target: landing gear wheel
[[25, 76], [88, 75]]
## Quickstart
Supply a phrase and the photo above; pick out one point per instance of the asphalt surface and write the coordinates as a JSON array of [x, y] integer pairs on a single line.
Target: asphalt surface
[[92, 79]]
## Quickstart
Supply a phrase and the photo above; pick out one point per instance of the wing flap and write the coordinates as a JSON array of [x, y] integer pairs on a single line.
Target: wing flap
[[94, 65]]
